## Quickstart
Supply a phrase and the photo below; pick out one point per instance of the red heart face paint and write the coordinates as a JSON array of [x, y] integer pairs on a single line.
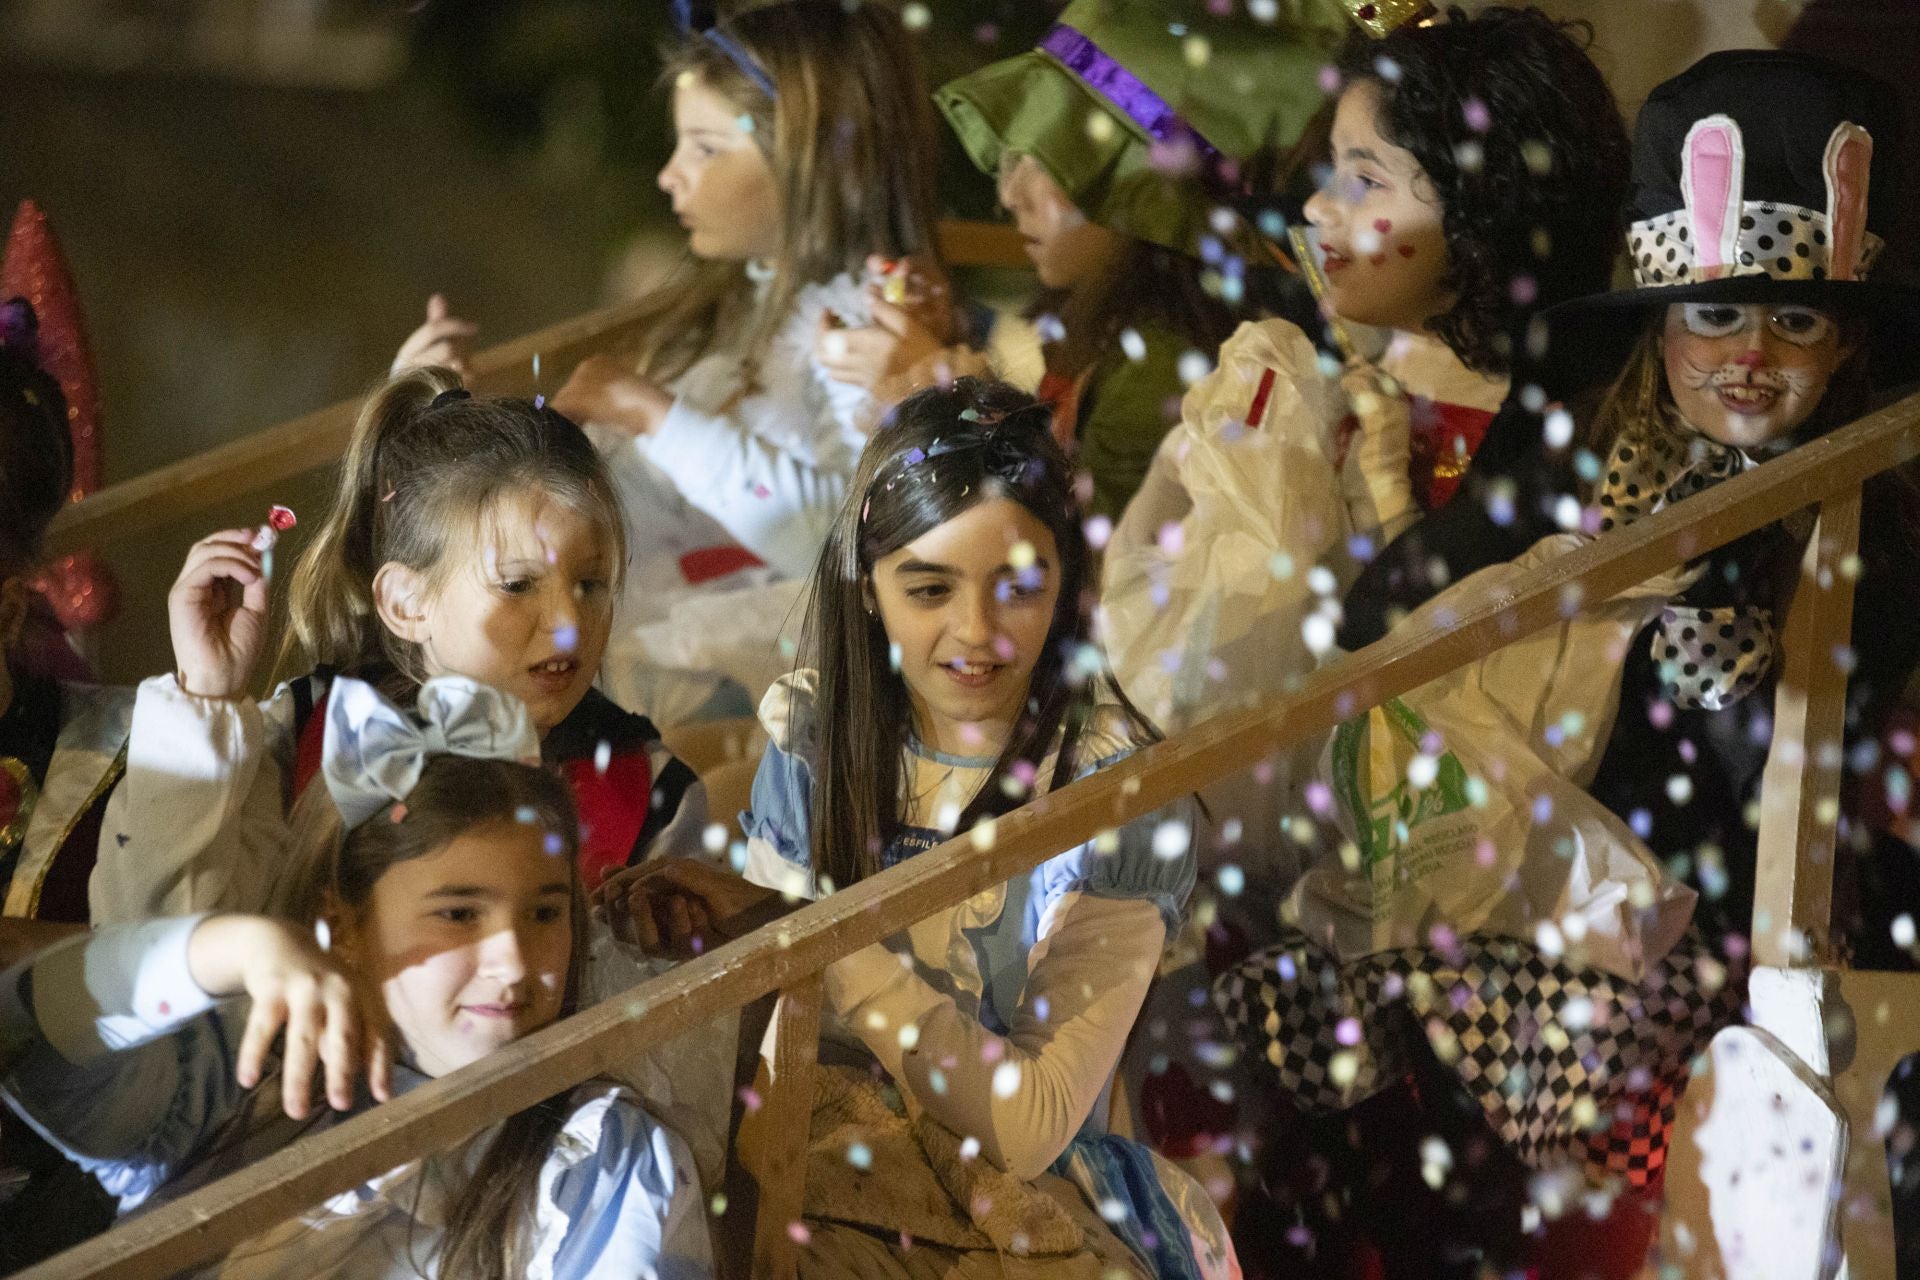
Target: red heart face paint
[[1379, 227]]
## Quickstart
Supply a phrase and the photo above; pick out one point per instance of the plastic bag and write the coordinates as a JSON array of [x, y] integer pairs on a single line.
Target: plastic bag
[[1465, 800], [1207, 580]]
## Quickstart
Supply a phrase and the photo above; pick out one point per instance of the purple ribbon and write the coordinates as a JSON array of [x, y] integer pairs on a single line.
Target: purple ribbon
[[1123, 89]]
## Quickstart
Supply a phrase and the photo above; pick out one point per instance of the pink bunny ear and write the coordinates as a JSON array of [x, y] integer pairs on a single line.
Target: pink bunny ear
[[1849, 158], [1712, 175]]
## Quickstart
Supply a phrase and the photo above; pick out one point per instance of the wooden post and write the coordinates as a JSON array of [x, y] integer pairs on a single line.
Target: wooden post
[[773, 1140], [1800, 790]]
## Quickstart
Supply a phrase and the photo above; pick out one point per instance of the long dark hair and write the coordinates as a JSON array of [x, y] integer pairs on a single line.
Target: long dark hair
[[455, 795], [944, 451], [1534, 197], [1150, 284]]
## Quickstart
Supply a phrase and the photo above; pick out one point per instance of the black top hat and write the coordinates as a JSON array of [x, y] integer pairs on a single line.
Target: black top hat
[[1758, 176]]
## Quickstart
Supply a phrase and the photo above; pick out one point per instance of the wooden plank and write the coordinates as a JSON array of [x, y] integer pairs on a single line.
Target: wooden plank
[[255, 461], [774, 1139], [1800, 788], [983, 244], [447, 1110]]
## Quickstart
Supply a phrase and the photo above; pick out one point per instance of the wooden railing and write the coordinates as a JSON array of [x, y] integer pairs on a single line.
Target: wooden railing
[[278, 453], [790, 955]]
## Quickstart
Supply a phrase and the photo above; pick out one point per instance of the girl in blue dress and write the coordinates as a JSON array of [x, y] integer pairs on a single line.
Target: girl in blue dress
[[955, 682]]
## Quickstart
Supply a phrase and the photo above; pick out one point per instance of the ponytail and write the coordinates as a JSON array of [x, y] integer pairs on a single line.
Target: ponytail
[[423, 469]]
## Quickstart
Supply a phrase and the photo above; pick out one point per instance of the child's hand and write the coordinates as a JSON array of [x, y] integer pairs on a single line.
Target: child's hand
[[443, 340], [919, 286], [675, 907], [217, 614], [604, 391], [880, 356], [296, 986]]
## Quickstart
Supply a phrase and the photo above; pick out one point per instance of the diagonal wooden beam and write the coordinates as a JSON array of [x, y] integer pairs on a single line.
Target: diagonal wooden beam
[[276, 453], [445, 1111]]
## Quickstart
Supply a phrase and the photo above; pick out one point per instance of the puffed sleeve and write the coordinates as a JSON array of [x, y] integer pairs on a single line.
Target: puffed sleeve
[[1150, 859], [620, 1200], [779, 847], [199, 821]]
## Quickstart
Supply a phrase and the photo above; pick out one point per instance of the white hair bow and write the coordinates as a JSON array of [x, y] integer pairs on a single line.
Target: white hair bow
[[374, 753]]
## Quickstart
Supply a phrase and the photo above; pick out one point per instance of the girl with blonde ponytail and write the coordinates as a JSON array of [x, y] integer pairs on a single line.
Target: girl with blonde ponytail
[[469, 535]]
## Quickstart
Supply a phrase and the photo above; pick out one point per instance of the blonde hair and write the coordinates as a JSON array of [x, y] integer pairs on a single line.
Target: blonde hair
[[424, 470], [849, 137]]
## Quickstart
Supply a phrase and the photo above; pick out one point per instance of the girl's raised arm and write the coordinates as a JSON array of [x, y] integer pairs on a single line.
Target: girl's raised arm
[[198, 822]]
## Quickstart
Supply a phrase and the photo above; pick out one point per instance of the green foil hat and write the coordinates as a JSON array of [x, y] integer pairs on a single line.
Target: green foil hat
[[1132, 106]]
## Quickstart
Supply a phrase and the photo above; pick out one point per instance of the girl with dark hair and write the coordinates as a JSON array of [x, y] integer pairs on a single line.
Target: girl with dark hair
[[803, 157], [954, 682], [447, 929], [1475, 167], [1477, 164], [1750, 329]]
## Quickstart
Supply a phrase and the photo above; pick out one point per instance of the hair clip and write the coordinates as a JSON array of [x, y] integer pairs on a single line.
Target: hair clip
[[449, 396]]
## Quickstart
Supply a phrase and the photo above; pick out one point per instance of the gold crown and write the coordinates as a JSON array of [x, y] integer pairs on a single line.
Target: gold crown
[[1379, 18]]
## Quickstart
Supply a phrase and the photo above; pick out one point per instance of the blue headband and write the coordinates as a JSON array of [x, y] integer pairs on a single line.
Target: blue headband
[[704, 25]]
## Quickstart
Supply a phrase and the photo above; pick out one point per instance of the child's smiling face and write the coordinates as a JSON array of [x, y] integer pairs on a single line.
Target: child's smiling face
[[1748, 374], [469, 946], [970, 606], [1379, 224]]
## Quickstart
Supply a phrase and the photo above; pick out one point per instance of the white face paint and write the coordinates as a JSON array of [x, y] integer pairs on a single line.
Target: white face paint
[[1748, 374]]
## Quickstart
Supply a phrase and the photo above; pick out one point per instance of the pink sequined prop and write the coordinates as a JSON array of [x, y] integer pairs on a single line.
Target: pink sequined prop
[[79, 586]]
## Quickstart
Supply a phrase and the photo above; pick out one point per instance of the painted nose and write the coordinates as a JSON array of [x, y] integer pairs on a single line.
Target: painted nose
[[1751, 358]]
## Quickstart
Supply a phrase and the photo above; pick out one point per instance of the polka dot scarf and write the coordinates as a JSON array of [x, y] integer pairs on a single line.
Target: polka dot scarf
[[1707, 658]]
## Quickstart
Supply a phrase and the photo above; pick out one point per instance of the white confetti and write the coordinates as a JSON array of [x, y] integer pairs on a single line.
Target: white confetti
[[1194, 365], [1171, 839], [1130, 340], [1317, 631], [1559, 429], [1006, 1080], [714, 838]]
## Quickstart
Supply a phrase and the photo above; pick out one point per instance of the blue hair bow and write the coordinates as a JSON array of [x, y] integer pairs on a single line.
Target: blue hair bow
[[697, 18]]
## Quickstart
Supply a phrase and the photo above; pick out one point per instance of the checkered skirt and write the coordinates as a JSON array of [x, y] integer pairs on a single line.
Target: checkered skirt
[[1569, 1065]]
